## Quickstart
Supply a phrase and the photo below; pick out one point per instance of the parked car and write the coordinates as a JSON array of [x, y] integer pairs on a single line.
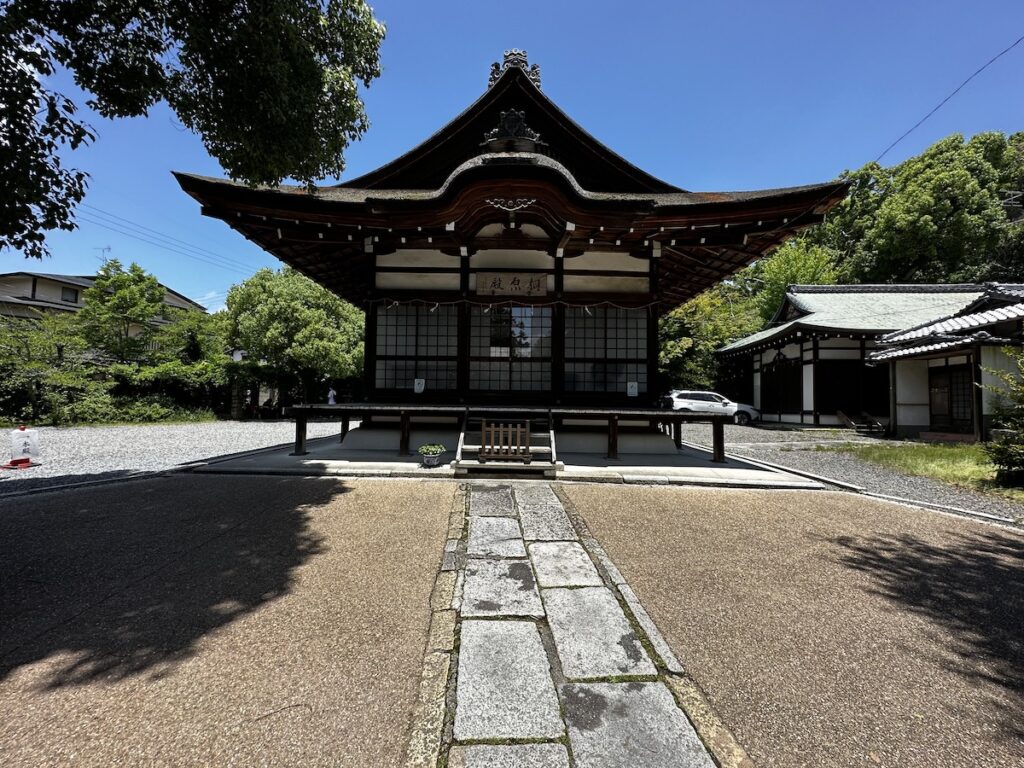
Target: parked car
[[712, 403]]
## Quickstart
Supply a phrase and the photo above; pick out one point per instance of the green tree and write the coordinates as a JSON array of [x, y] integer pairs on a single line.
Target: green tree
[[270, 86], [797, 262], [119, 308], [292, 327], [1007, 451], [187, 361], [690, 334], [936, 217], [46, 370]]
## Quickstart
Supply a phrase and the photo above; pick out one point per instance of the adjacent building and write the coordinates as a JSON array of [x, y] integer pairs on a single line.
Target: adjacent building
[[943, 370], [814, 364], [26, 294]]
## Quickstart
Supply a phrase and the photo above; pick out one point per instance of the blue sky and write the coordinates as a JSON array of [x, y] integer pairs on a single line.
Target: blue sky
[[706, 95]]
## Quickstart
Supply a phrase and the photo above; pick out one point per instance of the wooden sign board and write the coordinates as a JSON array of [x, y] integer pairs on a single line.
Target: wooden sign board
[[511, 284]]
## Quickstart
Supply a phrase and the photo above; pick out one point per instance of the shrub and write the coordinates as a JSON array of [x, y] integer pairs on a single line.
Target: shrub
[[1007, 449]]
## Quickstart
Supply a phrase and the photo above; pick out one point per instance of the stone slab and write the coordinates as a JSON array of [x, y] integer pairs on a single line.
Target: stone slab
[[442, 631], [563, 564], [456, 603], [428, 714], [444, 591], [504, 688], [657, 640], [491, 501], [495, 537], [545, 522], [509, 756], [535, 494], [500, 588], [592, 635], [602, 557], [630, 724]]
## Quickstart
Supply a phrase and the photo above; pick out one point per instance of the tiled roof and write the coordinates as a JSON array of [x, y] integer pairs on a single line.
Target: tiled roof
[[960, 323], [874, 309], [936, 343], [361, 195]]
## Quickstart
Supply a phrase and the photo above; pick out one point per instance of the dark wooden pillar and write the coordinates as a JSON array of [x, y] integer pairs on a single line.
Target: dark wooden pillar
[[370, 350], [300, 435], [718, 440], [403, 440], [677, 433], [344, 427], [613, 437]]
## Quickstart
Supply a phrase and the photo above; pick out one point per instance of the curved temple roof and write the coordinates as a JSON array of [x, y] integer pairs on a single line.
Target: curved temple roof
[[513, 158]]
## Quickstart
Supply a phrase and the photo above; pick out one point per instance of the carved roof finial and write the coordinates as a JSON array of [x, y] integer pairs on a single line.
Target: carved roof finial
[[515, 58]]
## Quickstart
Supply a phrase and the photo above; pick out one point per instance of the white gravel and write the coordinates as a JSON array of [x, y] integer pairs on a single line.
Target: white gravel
[[77, 454], [796, 448]]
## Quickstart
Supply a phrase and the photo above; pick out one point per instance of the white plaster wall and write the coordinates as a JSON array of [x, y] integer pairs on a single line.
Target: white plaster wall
[[49, 290], [593, 284], [839, 354], [16, 286], [512, 260], [993, 359], [912, 394], [791, 351], [606, 260], [415, 258], [838, 343], [757, 391], [416, 281]]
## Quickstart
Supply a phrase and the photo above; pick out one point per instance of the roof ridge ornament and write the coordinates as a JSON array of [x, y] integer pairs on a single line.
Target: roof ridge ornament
[[512, 134], [515, 58]]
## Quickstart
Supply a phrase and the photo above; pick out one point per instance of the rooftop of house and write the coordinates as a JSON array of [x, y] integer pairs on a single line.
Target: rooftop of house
[[80, 281], [866, 309]]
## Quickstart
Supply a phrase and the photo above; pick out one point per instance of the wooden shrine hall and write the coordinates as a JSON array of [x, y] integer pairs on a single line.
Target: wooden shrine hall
[[512, 264]]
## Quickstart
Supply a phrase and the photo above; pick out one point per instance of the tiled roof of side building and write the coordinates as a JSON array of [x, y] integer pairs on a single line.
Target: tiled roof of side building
[[959, 323], [873, 309], [935, 343]]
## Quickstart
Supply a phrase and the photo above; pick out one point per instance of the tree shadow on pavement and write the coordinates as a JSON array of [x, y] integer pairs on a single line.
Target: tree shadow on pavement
[[972, 589], [128, 578]]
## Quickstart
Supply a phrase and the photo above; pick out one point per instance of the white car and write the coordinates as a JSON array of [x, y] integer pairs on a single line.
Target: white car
[[713, 403]]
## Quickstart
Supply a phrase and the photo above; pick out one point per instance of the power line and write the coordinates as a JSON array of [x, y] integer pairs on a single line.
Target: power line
[[169, 239], [938, 106], [172, 249]]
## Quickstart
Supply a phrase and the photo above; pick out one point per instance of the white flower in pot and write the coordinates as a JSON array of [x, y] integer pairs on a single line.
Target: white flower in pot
[[431, 454]]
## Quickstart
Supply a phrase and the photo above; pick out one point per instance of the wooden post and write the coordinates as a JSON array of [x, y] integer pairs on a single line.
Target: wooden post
[[300, 435], [718, 440], [344, 427], [403, 440], [677, 433], [613, 437]]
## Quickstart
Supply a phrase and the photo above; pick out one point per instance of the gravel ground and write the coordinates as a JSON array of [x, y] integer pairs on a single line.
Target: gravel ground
[[77, 454], [831, 630], [795, 448], [216, 621]]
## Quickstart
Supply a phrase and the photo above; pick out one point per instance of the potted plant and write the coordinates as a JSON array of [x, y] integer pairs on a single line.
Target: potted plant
[[431, 454]]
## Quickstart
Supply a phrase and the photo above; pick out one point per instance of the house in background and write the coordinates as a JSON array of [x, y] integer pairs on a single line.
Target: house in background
[[812, 365], [942, 380], [26, 294]]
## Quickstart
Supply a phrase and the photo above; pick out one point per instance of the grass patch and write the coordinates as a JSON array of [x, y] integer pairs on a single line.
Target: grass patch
[[962, 464]]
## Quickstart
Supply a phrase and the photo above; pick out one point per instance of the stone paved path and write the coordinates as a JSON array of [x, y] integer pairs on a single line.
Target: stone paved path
[[550, 659]]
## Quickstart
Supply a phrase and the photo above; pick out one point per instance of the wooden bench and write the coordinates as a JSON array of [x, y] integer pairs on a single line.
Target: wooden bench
[[505, 441]]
